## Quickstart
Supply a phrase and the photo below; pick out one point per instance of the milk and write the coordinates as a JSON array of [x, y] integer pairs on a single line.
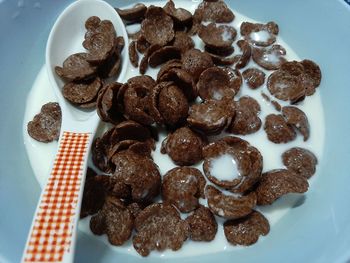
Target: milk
[[41, 154], [260, 36], [224, 167]]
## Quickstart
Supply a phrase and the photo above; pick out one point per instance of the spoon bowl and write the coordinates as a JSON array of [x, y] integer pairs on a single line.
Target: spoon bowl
[[66, 38], [54, 227]]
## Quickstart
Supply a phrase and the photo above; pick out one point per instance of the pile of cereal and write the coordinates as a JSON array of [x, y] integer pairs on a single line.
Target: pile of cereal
[[193, 98], [84, 73]]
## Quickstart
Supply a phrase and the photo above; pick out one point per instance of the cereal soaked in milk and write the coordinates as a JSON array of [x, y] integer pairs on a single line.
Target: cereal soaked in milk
[[228, 172], [224, 168]]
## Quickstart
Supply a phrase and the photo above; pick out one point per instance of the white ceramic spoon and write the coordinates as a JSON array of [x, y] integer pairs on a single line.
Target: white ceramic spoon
[[54, 227]]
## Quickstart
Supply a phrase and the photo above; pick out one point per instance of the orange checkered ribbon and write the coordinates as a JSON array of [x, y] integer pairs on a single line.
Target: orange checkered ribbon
[[51, 232]]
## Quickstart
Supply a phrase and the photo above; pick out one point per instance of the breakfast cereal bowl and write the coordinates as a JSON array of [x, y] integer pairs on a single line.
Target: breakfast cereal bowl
[[312, 228]]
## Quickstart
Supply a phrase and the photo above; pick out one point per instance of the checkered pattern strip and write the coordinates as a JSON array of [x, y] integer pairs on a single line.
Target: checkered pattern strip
[[51, 232]]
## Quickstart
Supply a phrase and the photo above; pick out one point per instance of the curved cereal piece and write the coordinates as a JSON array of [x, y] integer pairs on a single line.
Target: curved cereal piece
[[217, 37], [115, 220], [82, 92], [133, 14], [216, 11], [46, 126], [246, 120], [183, 146], [298, 119], [254, 77], [182, 186], [301, 161], [246, 231], [277, 183], [260, 34], [163, 55], [181, 17], [157, 27], [211, 116], [159, 227], [202, 223], [227, 206], [270, 58], [75, 68], [278, 130], [218, 83], [247, 158]]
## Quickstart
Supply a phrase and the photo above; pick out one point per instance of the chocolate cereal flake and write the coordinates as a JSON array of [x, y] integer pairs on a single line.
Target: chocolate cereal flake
[[278, 130], [99, 151], [134, 14], [218, 83], [174, 63], [141, 44], [93, 195], [202, 223], [246, 120], [247, 158], [157, 27], [139, 172], [100, 47], [131, 130], [183, 146], [211, 116], [228, 206], [295, 80], [181, 17], [222, 60], [159, 227], [183, 41], [182, 186], [82, 92], [134, 146], [220, 52], [254, 77], [111, 67], [107, 106], [114, 220], [92, 23], [172, 105], [298, 119], [76, 68], [136, 99], [270, 58], [301, 161], [144, 61], [276, 183], [311, 77], [163, 55], [195, 62], [135, 208], [285, 86], [260, 34], [217, 36], [246, 231], [133, 55], [217, 12], [96, 26], [243, 59], [46, 125], [168, 104], [183, 80]]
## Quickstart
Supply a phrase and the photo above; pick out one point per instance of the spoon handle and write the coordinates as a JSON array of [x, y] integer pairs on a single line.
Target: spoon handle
[[53, 230]]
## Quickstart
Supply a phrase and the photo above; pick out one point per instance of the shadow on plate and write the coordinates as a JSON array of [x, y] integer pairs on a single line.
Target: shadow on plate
[[285, 202]]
